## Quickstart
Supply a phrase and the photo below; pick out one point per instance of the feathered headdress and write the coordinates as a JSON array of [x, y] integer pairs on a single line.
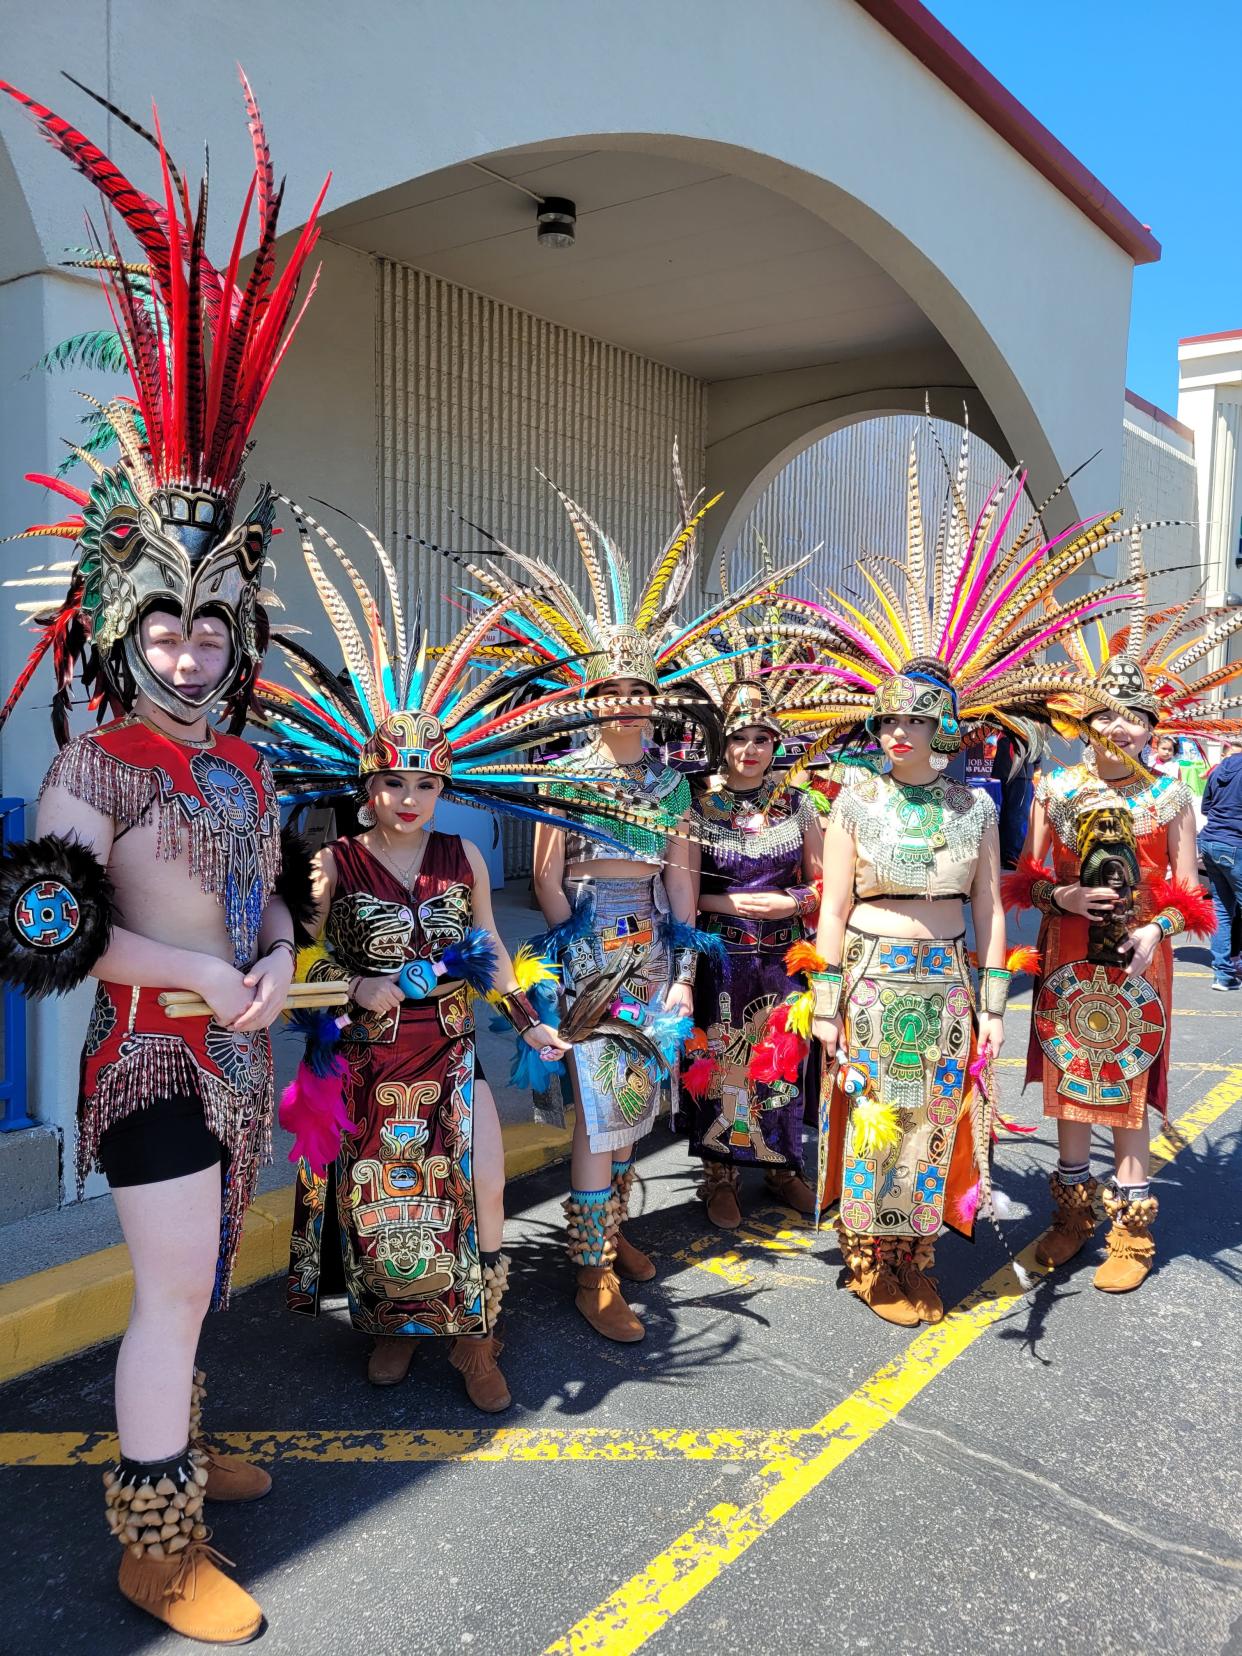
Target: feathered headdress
[[958, 629], [399, 705], [1144, 663], [201, 346], [613, 634], [740, 663]]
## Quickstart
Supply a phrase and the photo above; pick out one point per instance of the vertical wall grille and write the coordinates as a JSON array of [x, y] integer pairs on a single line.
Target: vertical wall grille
[[474, 396]]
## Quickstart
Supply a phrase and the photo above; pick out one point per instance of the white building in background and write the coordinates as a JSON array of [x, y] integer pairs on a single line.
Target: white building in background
[[778, 234], [1209, 401]]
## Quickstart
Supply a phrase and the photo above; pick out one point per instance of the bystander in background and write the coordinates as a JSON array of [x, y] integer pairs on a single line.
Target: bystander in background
[[1220, 847]]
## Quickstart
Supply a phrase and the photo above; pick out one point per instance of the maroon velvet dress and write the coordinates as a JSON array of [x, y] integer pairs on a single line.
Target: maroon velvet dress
[[400, 1196]]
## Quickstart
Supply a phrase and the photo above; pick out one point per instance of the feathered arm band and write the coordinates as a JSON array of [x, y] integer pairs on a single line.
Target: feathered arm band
[[1182, 908], [312, 1106], [687, 943], [1030, 885], [293, 885], [55, 914]]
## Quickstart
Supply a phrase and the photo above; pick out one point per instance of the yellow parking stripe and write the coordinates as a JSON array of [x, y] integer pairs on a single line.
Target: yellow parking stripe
[[515, 1445], [641, 1606]]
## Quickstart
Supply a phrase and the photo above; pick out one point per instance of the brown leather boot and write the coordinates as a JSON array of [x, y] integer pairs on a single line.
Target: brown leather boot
[[167, 1568], [1131, 1250], [870, 1277], [719, 1190], [474, 1358], [390, 1359], [631, 1261], [605, 1307], [915, 1259], [1073, 1222], [789, 1187], [229, 1477]]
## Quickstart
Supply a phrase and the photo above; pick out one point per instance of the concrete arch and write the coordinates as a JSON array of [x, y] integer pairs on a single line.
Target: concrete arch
[[862, 134]]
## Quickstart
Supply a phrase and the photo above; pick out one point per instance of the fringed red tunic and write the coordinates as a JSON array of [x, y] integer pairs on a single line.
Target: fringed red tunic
[[216, 806], [1063, 937]]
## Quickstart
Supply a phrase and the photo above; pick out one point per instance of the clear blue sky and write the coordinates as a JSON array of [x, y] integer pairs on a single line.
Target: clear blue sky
[[1146, 94]]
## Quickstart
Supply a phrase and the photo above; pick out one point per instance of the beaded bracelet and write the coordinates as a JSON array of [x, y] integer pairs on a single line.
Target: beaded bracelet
[[1172, 922]]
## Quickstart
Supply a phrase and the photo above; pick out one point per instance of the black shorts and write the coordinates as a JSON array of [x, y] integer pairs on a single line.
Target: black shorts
[[166, 1139]]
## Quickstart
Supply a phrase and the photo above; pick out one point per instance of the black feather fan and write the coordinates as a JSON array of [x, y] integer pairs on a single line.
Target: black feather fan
[[55, 914]]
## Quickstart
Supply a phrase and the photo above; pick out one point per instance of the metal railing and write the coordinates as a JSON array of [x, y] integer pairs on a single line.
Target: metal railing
[[13, 1116]]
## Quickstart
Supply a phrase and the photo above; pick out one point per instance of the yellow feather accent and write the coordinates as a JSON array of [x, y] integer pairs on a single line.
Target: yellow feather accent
[[662, 573], [900, 636], [307, 959], [875, 1126], [801, 1011], [869, 627], [530, 968]]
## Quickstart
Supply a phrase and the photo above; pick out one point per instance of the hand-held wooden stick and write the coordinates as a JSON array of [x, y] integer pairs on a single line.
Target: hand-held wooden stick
[[184, 1003]]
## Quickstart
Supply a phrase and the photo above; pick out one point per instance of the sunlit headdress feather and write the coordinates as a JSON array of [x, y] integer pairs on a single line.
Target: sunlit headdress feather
[[1144, 663], [614, 634], [975, 607], [396, 704]]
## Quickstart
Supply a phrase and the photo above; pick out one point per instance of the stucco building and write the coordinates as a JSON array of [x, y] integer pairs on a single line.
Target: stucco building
[[789, 218]]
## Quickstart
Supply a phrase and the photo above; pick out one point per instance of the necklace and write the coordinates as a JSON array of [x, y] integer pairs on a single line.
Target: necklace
[[199, 742], [407, 875]]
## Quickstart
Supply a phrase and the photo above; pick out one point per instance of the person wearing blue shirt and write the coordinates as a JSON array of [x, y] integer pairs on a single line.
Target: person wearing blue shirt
[[1220, 847]]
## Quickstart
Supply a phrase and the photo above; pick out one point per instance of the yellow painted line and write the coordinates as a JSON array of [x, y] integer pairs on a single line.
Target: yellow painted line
[[731, 1266], [514, 1445], [641, 1606], [52, 1314]]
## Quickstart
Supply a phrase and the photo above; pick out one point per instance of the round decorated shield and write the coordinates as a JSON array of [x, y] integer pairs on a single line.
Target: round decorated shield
[[1100, 1029]]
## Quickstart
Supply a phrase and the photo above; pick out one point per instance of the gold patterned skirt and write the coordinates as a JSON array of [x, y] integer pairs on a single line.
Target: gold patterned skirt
[[893, 1104]]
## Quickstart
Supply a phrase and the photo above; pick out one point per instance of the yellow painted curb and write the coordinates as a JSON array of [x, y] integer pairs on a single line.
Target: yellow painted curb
[[67, 1309]]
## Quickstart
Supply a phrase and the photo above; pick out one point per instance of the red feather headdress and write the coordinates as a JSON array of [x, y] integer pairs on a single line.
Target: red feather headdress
[[201, 346]]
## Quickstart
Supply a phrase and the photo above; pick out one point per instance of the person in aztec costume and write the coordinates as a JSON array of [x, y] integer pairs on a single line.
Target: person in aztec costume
[[1110, 862], [758, 853], [620, 910], [416, 1189], [947, 651], [158, 864]]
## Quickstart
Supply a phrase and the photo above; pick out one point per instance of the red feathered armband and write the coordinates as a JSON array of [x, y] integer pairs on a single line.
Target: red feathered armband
[[1182, 908], [779, 1055], [1028, 886], [696, 1077]]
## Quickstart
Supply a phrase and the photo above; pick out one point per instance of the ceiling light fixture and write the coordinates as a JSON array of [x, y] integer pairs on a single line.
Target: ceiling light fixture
[[555, 219]]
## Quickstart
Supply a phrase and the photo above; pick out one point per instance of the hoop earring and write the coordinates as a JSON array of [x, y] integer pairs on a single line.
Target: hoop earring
[[366, 816]]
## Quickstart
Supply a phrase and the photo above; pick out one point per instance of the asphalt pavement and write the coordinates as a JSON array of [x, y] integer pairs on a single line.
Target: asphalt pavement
[[772, 1469]]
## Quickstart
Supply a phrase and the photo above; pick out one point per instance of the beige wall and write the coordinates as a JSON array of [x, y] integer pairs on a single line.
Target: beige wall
[[1030, 297]]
